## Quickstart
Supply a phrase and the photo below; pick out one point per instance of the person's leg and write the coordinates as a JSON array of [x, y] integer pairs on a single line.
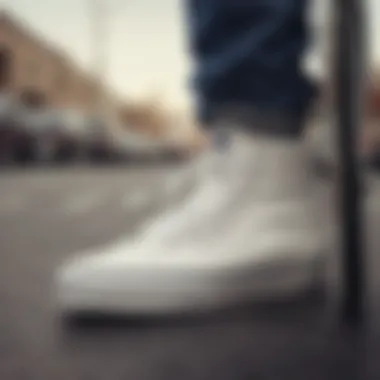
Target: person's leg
[[248, 58], [245, 229]]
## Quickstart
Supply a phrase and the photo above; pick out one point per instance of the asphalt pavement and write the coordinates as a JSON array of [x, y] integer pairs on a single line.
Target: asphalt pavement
[[47, 215]]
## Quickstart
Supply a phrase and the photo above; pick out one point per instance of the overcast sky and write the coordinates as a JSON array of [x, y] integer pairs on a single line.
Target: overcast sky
[[146, 45]]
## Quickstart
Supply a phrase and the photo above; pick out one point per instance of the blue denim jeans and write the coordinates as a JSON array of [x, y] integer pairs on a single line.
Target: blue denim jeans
[[248, 56]]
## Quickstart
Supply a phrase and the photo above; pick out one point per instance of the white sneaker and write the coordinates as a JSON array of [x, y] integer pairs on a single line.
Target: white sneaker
[[246, 231]]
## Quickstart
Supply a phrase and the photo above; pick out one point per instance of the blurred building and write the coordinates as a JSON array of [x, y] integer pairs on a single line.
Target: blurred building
[[147, 116], [38, 72]]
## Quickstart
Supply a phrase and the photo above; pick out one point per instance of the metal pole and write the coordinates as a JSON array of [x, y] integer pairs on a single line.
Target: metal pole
[[350, 75]]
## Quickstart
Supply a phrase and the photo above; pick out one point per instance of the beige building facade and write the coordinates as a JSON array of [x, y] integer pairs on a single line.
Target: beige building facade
[[40, 74]]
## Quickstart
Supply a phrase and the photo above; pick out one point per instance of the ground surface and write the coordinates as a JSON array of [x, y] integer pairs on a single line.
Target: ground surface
[[47, 215]]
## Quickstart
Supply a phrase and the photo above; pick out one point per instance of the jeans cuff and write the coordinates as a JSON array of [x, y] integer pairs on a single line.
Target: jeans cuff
[[271, 122]]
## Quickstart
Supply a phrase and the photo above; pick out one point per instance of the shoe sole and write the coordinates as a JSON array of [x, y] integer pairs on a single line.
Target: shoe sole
[[271, 283]]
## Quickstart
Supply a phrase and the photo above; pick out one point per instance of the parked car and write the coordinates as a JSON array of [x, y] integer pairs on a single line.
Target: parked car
[[26, 124], [51, 135], [138, 147], [72, 135], [9, 131], [98, 140], [40, 130]]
